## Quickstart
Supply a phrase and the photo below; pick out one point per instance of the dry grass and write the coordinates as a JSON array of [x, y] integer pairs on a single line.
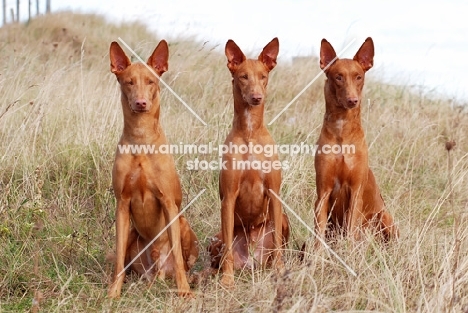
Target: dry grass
[[60, 119]]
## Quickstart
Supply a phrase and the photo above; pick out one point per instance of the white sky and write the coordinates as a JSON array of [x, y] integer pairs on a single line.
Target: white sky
[[417, 42]]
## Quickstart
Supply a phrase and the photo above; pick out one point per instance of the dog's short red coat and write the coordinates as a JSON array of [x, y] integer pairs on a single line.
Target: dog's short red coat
[[146, 186], [252, 220], [348, 197]]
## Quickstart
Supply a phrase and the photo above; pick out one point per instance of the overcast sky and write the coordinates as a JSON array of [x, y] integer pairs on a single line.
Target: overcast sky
[[417, 42]]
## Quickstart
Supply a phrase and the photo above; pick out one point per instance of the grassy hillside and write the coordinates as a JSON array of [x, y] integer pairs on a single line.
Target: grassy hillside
[[60, 120]]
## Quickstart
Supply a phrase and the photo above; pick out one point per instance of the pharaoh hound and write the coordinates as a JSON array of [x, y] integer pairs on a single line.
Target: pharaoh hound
[[349, 199], [253, 226], [146, 186]]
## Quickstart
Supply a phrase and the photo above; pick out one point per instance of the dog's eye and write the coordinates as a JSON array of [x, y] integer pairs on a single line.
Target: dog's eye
[[359, 77], [151, 82], [339, 78], [245, 76], [264, 77], [129, 82]]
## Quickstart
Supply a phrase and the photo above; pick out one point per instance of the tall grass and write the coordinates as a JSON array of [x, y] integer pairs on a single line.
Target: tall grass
[[60, 120]]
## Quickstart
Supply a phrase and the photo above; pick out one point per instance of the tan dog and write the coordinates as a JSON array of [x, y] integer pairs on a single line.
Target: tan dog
[[146, 186], [348, 195], [252, 220]]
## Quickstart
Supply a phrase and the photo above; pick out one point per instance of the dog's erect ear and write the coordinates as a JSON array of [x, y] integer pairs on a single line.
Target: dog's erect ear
[[159, 59], [234, 55], [118, 58], [269, 54], [327, 54], [365, 54]]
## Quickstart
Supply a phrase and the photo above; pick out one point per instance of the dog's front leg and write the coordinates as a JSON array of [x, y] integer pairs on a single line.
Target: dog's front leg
[[170, 212], [276, 215], [227, 230], [354, 214], [122, 231], [322, 208], [325, 180]]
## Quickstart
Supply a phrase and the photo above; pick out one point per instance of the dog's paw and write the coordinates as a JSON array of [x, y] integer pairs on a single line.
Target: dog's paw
[[112, 293], [227, 281], [279, 264], [186, 294]]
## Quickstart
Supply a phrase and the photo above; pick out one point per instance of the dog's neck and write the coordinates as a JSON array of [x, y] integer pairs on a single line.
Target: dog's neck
[[248, 119]]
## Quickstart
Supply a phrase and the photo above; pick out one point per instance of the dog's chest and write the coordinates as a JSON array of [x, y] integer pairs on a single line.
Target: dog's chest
[[345, 165], [138, 132], [250, 203], [140, 173], [339, 127], [252, 188], [141, 183]]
